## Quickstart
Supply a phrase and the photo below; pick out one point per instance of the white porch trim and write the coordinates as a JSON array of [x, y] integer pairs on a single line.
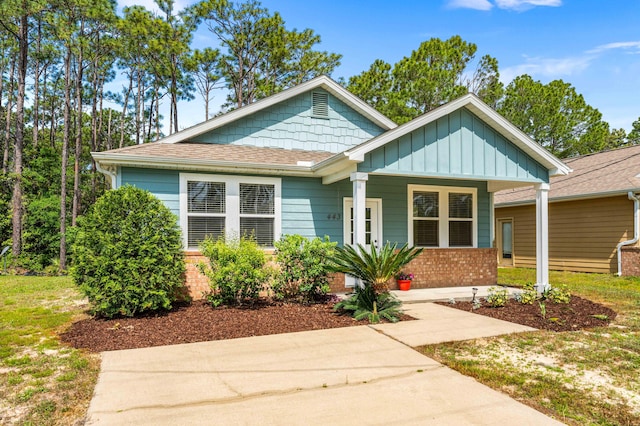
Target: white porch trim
[[542, 236], [359, 206]]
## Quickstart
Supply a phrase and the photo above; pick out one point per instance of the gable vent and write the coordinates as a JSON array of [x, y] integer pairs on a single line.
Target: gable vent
[[320, 105]]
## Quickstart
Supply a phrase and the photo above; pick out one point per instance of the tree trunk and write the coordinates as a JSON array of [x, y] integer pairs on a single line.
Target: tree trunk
[[124, 110], [65, 158], [8, 108], [78, 151], [16, 200], [36, 86]]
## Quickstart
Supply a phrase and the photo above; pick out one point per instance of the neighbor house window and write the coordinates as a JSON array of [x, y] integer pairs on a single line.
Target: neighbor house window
[[442, 216], [220, 205]]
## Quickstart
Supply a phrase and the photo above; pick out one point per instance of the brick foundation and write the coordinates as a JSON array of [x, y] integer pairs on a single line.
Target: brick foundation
[[433, 268], [631, 261], [197, 283], [446, 268]]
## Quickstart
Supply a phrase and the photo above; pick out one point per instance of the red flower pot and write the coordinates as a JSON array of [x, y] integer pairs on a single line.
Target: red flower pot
[[404, 285]]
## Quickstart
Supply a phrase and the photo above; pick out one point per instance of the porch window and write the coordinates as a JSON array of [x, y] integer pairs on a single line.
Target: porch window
[[442, 216], [218, 205]]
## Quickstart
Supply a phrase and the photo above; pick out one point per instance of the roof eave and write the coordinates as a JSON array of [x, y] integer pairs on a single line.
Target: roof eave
[[202, 165], [589, 196]]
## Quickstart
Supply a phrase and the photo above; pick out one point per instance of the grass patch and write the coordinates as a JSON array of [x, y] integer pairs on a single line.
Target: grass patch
[[42, 381], [582, 378]]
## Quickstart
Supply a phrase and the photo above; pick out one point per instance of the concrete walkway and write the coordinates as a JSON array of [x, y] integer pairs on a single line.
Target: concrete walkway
[[362, 375]]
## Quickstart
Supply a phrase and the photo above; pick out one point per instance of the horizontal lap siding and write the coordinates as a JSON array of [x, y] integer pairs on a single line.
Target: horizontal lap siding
[[583, 234], [393, 191], [164, 184], [312, 209]]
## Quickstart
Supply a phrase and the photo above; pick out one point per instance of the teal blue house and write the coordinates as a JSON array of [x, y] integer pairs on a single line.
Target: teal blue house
[[316, 160]]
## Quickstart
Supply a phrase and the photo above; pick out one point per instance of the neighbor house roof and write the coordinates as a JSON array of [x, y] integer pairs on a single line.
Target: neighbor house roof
[[594, 175], [321, 82]]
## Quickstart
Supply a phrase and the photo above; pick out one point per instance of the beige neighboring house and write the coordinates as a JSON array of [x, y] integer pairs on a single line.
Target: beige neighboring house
[[593, 217]]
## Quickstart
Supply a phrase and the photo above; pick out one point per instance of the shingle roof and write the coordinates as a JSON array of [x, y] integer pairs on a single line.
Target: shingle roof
[[216, 152], [593, 175]]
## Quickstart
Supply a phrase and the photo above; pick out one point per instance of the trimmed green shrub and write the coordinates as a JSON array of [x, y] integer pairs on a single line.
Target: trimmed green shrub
[[128, 256], [236, 270], [303, 273]]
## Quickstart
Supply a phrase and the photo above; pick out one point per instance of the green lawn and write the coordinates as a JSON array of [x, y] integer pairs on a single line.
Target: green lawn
[[585, 377], [41, 381]]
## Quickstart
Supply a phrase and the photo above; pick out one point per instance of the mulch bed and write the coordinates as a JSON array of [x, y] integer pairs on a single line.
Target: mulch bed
[[199, 322], [576, 315]]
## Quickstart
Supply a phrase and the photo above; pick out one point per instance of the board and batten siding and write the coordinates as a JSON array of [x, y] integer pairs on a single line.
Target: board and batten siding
[[458, 145], [583, 234], [291, 125]]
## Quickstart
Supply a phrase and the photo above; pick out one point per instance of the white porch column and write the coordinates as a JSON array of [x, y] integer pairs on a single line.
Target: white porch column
[[359, 207], [542, 236]]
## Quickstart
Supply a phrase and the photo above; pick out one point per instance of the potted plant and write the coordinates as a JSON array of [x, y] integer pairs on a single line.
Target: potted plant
[[404, 281]]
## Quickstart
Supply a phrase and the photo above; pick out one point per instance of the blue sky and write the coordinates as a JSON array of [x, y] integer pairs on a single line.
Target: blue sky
[[592, 44]]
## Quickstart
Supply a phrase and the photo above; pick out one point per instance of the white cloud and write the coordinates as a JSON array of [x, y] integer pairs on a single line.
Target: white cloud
[[526, 4], [547, 67], [627, 45], [470, 4], [519, 5]]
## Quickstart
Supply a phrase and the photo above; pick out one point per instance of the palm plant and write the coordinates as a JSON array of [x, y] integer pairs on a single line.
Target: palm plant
[[374, 268]]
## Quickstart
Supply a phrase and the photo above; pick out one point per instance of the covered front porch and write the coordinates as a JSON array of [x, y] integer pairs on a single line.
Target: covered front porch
[[430, 183], [460, 238]]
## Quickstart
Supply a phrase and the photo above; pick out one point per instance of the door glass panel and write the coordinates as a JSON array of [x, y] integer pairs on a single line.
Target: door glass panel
[[507, 244]]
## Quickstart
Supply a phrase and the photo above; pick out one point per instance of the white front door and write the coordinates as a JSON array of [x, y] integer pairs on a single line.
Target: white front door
[[373, 227]]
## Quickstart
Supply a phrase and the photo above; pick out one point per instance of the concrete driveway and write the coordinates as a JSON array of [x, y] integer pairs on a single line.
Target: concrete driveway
[[354, 375]]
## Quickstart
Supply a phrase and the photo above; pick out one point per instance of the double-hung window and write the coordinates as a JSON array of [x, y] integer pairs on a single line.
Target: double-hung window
[[442, 216], [206, 208], [221, 205], [257, 212]]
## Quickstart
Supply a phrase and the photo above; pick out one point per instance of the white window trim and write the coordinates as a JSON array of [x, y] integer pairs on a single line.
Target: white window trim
[[443, 212], [232, 193]]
